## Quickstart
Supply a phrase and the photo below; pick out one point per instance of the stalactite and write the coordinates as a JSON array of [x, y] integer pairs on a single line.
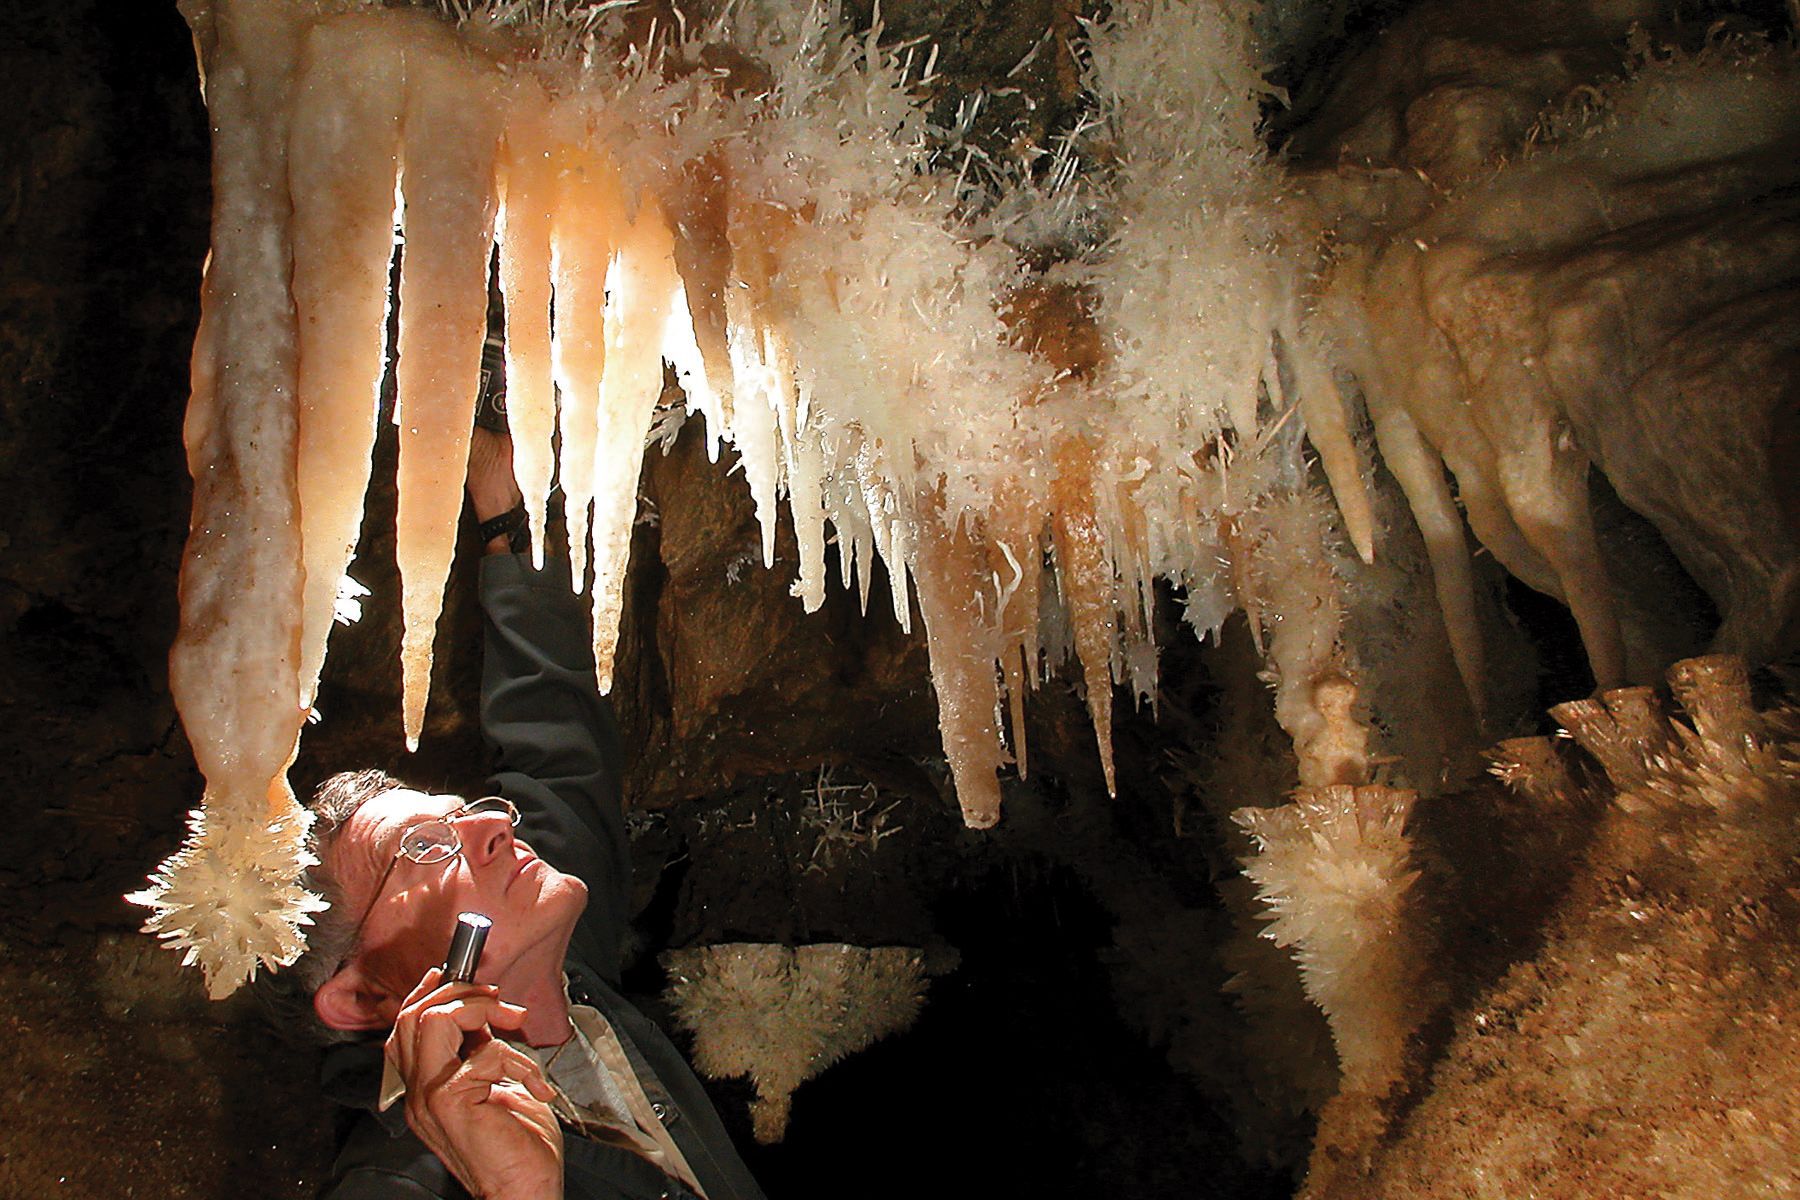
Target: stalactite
[[344, 159], [1087, 578], [640, 288], [1015, 558], [451, 135], [783, 1014], [1503, 327], [960, 629], [699, 208], [590, 214], [528, 167], [1328, 425], [228, 897]]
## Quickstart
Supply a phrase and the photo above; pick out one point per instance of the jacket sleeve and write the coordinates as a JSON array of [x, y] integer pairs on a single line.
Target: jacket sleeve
[[556, 746], [380, 1163]]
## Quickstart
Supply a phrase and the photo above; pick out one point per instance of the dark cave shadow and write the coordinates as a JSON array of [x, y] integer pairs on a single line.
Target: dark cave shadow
[[1019, 1076]]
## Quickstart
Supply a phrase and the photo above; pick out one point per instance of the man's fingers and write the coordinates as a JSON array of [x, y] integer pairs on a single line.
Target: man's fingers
[[427, 983], [538, 1086], [506, 1016], [497, 1062], [495, 1073], [443, 1028], [434, 1028]]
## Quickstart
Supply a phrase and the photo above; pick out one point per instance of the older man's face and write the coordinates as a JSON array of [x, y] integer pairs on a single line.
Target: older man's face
[[534, 907]]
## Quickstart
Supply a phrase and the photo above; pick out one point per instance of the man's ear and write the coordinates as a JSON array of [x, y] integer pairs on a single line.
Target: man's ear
[[352, 1002]]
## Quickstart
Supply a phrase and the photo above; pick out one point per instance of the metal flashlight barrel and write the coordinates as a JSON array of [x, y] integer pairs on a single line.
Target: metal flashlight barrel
[[465, 947]]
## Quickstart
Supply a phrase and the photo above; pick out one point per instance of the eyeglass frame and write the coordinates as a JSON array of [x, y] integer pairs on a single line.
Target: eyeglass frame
[[466, 809]]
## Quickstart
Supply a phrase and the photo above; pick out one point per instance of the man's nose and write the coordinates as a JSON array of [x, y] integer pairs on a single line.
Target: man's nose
[[485, 837]]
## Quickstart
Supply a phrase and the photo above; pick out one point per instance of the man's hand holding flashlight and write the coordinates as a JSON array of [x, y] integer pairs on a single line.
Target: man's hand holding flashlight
[[479, 1104]]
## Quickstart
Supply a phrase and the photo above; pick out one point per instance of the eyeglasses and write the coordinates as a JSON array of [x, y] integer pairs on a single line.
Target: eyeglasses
[[433, 840]]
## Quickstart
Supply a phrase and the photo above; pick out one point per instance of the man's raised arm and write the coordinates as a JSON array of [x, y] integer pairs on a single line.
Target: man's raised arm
[[558, 754]]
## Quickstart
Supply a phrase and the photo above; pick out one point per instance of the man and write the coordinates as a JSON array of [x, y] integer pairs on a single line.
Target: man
[[537, 1080]]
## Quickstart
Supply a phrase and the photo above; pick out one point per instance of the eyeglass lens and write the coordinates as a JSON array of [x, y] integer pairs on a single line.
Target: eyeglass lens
[[434, 841], [488, 804]]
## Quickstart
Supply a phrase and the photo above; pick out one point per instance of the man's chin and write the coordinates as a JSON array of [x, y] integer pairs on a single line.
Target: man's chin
[[556, 908]]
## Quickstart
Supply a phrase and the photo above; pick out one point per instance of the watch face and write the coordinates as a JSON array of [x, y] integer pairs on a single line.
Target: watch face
[[490, 400]]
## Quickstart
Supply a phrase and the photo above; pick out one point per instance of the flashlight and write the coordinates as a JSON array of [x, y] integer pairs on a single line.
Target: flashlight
[[465, 947]]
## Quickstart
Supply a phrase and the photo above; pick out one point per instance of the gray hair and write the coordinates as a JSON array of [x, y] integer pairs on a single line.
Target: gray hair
[[286, 995]]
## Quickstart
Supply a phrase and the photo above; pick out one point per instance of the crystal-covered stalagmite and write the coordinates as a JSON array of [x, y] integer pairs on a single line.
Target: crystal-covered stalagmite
[[451, 134], [1639, 1043], [1335, 867]]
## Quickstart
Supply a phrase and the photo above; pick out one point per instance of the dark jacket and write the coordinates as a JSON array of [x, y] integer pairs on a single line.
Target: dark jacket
[[558, 760]]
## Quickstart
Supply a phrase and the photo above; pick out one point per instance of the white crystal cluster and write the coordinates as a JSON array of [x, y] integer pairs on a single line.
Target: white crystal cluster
[[782, 1014], [228, 899], [1334, 867]]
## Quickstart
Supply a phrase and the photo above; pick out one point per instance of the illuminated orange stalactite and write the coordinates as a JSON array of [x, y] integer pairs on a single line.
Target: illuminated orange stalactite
[[234, 680], [590, 215], [343, 159], [528, 199], [1087, 581], [950, 574], [451, 136], [228, 897]]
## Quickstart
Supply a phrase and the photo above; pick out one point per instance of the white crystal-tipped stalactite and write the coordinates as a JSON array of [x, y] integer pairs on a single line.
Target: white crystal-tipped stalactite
[[226, 897], [783, 1014], [1334, 866], [826, 308]]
